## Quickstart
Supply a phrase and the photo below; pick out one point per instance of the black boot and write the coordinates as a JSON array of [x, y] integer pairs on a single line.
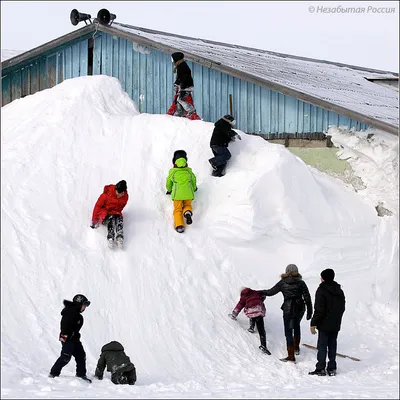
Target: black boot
[[188, 217], [318, 372]]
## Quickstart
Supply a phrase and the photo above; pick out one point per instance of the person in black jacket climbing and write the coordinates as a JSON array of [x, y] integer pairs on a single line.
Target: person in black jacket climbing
[[329, 307], [295, 299], [222, 135], [182, 105], [118, 363], [71, 324]]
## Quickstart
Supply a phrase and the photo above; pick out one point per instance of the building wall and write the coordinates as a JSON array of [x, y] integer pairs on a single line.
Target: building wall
[[147, 76]]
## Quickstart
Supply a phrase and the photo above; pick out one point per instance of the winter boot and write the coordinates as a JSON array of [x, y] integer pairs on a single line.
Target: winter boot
[[120, 242], [290, 357], [188, 216], [214, 167], [252, 325], [180, 229], [318, 372], [52, 376], [296, 343], [110, 242], [331, 372], [85, 378], [264, 350]]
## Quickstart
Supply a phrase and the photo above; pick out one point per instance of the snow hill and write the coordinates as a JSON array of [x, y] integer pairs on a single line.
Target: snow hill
[[167, 295]]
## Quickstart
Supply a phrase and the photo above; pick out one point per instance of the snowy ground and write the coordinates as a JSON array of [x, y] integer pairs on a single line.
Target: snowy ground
[[166, 296]]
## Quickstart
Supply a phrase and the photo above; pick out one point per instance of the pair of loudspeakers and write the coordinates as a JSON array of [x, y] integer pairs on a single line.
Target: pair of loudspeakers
[[104, 17]]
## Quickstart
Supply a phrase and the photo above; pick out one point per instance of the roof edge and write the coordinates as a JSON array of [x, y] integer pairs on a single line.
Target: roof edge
[[47, 46]]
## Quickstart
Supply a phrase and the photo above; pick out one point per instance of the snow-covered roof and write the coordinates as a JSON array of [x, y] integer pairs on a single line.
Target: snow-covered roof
[[337, 87]]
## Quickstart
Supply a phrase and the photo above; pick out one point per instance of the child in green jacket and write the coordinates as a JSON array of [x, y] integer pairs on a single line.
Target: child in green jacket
[[181, 185]]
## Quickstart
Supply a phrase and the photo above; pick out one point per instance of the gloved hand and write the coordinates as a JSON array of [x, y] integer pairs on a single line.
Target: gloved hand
[[168, 193], [308, 317], [63, 338], [232, 316], [94, 225], [312, 329]]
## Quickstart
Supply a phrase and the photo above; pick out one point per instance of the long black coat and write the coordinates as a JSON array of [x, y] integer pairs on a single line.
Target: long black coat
[[113, 356], [222, 134], [71, 321], [183, 76], [329, 307], [295, 296]]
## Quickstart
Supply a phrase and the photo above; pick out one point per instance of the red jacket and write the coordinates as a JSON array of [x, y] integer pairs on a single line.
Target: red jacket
[[108, 203], [253, 303]]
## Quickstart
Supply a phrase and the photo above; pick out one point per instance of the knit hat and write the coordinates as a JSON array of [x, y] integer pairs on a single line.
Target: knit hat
[[291, 268], [179, 154], [230, 119], [328, 275], [120, 187], [177, 56]]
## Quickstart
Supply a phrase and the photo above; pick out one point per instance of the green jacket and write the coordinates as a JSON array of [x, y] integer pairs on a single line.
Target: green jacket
[[181, 181]]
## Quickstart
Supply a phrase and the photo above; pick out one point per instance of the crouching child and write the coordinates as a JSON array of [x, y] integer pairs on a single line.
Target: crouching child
[[118, 363]]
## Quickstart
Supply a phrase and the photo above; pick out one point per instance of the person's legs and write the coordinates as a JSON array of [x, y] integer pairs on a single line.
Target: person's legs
[[332, 347], [131, 376], [119, 227], [322, 346], [296, 335], [221, 156], [65, 357], [110, 227], [252, 325], [288, 327], [188, 211], [259, 321]]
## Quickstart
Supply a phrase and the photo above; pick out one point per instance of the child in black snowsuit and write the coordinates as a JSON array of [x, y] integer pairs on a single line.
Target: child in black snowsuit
[[118, 363], [221, 136], [182, 105], [71, 324]]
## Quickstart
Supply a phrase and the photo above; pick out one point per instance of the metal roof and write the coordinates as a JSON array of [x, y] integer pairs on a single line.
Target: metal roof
[[337, 87]]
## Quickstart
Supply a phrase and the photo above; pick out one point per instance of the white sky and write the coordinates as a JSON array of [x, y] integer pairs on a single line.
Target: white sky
[[166, 296], [367, 39]]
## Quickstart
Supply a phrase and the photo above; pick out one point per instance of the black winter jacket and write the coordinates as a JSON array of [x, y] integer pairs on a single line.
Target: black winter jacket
[[71, 321], [113, 356], [222, 134], [295, 296], [183, 76], [329, 307]]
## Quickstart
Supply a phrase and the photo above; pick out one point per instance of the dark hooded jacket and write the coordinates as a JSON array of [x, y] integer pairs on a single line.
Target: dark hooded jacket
[[222, 134], [183, 76], [71, 321], [113, 356], [329, 307], [295, 295]]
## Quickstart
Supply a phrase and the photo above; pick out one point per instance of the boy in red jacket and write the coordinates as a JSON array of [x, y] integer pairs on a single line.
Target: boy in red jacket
[[253, 303], [108, 210]]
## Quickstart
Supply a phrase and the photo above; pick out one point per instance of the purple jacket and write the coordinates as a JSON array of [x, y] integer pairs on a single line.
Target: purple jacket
[[253, 303]]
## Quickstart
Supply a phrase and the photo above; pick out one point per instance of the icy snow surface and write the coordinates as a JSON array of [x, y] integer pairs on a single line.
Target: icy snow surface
[[166, 296]]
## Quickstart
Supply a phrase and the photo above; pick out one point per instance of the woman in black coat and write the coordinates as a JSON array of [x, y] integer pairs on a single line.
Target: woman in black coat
[[295, 299]]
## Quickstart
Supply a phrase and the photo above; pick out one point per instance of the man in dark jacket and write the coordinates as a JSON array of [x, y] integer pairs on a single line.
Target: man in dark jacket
[[328, 311], [182, 105], [295, 299], [117, 362], [222, 135], [71, 324]]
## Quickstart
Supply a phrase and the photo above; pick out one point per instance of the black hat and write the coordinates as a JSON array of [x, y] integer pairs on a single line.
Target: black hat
[[177, 56], [120, 187], [81, 299], [179, 154], [328, 275], [229, 118]]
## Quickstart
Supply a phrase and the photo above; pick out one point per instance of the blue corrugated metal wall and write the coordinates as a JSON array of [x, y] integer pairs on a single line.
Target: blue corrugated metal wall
[[147, 76]]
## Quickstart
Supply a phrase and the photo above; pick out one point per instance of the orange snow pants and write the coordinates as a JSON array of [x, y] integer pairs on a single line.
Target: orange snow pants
[[180, 207]]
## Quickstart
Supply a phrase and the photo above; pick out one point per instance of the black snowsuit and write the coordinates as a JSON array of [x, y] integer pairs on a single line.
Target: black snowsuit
[[295, 299], [330, 304], [70, 325], [183, 76], [118, 363]]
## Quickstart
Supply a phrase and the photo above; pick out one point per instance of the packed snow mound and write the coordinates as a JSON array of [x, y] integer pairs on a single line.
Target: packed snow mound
[[166, 296]]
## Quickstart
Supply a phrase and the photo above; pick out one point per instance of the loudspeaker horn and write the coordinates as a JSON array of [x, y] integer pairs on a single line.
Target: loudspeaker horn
[[105, 17], [77, 17]]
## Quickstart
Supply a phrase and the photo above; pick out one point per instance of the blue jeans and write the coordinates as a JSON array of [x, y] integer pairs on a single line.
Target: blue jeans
[[221, 156], [292, 329], [327, 343]]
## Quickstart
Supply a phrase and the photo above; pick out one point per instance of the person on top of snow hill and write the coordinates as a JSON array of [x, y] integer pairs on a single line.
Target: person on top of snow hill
[[295, 299], [181, 185], [329, 307], [71, 324], [253, 303], [122, 370], [222, 135], [182, 105], [108, 210]]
